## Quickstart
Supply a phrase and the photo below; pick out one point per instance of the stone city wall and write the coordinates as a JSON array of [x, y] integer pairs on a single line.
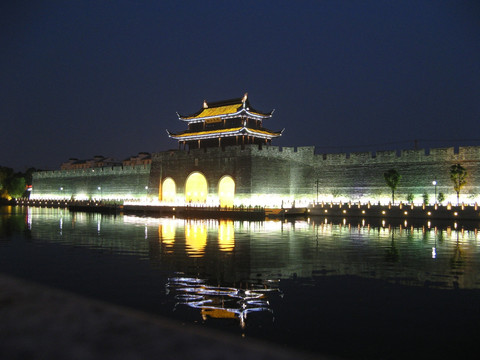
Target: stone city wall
[[269, 175], [359, 176], [108, 183]]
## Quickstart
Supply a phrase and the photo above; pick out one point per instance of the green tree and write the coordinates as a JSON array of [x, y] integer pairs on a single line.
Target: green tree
[[441, 197], [13, 184], [16, 186], [426, 198], [28, 175], [458, 175], [410, 198], [5, 176], [392, 177]]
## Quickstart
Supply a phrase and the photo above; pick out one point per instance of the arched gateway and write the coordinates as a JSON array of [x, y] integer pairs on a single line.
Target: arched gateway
[[226, 191], [168, 190], [196, 188]]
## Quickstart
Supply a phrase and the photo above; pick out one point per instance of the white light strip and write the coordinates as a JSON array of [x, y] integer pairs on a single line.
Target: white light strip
[[224, 134], [229, 116]]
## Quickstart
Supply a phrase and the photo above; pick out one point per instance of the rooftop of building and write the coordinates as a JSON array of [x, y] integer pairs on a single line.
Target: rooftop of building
[[226, 132], [226, 108]]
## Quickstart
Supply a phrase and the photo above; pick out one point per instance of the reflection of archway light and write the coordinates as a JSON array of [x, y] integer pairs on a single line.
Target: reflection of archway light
[[196, 184], [166, 232], [226, 191], [196, 238], [226, 235], [168, 190]]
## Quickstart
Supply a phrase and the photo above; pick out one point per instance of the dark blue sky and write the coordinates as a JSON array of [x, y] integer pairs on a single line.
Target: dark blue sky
[[85, 78]]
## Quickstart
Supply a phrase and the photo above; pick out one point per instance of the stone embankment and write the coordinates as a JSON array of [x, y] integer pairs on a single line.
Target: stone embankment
[[199, 212], [343, 210], [400, 211]]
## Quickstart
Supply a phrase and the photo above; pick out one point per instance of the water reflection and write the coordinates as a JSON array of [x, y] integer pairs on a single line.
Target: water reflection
[[420, 254], [226, 235], [337, 274], [196, 237], [166, 234], [222, 302], [429, 253]]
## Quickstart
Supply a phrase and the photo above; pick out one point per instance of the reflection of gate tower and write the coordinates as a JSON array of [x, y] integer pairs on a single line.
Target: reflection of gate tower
[[225, 123]]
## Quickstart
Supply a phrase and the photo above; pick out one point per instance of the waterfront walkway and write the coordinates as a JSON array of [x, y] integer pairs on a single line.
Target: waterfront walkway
[[330, 210], [43, 323], [399, 211]]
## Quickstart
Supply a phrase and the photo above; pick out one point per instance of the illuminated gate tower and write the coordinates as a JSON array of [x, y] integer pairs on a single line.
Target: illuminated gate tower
[[225, 123], [230, 123]]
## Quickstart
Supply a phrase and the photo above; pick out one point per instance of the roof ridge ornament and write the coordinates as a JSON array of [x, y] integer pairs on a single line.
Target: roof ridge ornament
[[205, 105], [245, 97]]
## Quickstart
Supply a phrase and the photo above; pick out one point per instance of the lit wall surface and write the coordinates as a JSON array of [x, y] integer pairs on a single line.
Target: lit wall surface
[[269, 176], [109, 183]]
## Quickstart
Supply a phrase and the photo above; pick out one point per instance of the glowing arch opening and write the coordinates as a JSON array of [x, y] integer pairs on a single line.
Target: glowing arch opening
[[196, 188], [226, 191], [169, 190]]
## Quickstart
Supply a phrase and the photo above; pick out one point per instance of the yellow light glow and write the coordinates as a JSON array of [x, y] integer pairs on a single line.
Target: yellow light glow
[[168, 190], [196, 188], [167, 235], [196, 238], [226, 191], [226, 235]]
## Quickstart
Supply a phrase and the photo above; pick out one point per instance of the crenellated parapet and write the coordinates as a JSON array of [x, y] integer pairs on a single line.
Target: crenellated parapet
[[95, 171]]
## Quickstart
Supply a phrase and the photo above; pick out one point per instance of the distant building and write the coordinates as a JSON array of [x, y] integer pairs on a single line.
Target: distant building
[[143, 158], [97, 161]]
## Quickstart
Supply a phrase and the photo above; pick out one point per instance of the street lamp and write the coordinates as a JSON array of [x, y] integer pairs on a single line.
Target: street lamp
[[434, 183], [101, 193]]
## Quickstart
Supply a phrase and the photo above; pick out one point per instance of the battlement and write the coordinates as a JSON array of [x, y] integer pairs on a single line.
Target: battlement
[[469, 153], [109, 170]]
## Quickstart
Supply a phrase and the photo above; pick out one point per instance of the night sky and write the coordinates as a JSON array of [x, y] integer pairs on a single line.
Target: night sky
[[85, 78]]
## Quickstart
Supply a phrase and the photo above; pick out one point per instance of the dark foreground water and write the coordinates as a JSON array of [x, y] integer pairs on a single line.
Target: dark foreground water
[[346, 288]]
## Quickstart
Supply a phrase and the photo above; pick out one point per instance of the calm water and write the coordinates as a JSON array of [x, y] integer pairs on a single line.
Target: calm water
[[347, 288]]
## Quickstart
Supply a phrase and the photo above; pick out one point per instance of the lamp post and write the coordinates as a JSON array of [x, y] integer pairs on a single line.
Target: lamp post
[[101, 193], [434, 183]]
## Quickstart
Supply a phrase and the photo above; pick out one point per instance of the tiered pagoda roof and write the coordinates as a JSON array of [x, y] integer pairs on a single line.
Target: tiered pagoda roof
[[234, 118], [226, 109]]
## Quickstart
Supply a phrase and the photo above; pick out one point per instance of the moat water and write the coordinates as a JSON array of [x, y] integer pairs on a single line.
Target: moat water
[[340, 287]]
